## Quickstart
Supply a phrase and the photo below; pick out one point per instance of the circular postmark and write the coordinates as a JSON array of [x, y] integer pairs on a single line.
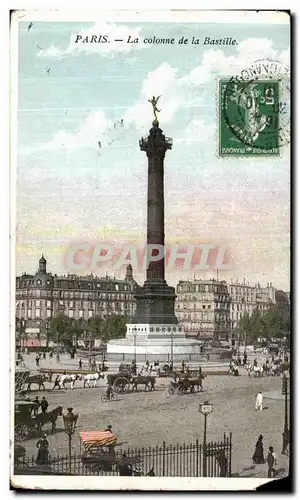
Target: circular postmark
[[256, 105]]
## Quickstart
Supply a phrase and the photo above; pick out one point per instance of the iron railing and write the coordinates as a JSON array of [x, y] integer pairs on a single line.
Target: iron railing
[[187, 460]]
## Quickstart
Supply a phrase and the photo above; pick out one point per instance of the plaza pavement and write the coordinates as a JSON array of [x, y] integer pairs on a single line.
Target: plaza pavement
[[147, 419]]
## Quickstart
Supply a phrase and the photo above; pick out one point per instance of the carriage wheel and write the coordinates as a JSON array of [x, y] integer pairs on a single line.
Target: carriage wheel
[[192, 388], [171, 389], [121, 384], [104, 399], [21, 432]]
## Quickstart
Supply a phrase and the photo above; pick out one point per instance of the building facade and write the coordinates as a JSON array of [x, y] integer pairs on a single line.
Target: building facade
[[43, 295], [203, 308], [212, 309]]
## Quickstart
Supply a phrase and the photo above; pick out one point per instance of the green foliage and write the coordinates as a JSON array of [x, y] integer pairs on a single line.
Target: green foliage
[[113, 327], [63, 329], [264, 324]]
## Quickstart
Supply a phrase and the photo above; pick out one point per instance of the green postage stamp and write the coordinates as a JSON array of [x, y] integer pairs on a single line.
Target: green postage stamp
[[249, 123]]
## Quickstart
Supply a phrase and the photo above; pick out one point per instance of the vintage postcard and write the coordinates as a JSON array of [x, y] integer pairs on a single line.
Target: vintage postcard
[[150, 308]]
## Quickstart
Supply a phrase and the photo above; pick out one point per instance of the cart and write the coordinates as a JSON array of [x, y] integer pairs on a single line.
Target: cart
[[24, 422], [99, 450]]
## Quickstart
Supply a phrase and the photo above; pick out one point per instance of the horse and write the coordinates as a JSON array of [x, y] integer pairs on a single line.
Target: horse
[[257, 370], [61, 380], [51, 416], [275, 370], [92, 378], [148, 380], [38, 379]]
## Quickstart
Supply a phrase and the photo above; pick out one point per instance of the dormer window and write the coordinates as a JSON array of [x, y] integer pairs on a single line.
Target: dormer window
[[48, 282], [39, 282]]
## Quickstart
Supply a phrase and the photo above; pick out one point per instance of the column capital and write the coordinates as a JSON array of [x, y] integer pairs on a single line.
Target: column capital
[[156, 143]]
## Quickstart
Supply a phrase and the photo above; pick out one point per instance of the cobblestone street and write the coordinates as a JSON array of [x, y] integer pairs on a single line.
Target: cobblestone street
[[147, 419]]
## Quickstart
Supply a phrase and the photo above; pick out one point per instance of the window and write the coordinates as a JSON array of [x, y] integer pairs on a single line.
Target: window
[[90, 313], [49, 313], [48, 303], [71, 304], [71, 313], [37, 313], [203, 307], [29, 313], [38, 303], [80, 313], [209, 306]]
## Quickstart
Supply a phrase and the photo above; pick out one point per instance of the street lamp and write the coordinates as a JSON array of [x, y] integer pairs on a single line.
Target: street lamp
[[134, 343], [70, 421], [206, 408], [286, 432], [172, 347]]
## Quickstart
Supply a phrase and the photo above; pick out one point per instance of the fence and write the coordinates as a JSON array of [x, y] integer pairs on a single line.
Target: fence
[[187, 460], [177, 358]]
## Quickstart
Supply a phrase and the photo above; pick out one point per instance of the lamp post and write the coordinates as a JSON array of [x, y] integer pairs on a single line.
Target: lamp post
[[206, 408], [172, 347], [22, 332], [286, 432], [134, 343], [70, 421]]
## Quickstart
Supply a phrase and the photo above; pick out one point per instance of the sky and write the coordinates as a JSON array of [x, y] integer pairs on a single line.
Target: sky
[[69, 190]]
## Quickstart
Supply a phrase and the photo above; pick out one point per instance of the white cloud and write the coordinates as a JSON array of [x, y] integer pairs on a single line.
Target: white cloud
[[87, 46], [176, 92]]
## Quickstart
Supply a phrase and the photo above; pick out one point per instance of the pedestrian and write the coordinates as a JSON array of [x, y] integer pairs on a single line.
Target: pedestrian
[[37, 360], [80, 364], [51, 355], [239, 360], [183, 365], [56, 382], [124, 467], [43, 453], [258, 456], [259, 401], [245, 359], [109, 428], [37, 403], [44, 404], [44, 355], [223, 463], [255, 362], [271, 460]]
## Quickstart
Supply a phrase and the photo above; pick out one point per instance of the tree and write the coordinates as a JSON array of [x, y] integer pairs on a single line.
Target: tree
[[97, 328], [116, 326], [62, 329], [245, 326], [112, 327]]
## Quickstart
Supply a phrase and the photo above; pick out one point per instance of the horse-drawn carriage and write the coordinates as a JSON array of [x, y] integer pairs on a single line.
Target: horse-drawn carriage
[[99, 455], [99, 451], [120, 381], [24, 421], [183, 385]]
